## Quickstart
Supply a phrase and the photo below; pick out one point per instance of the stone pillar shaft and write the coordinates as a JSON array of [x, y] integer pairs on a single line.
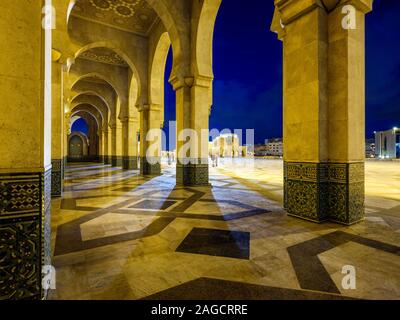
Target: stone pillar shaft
[[130, 129], [57, 147], [117, 154], [150, 140], [25, 162], [106, 156], [324, 102], [193, 103], [101, 145]]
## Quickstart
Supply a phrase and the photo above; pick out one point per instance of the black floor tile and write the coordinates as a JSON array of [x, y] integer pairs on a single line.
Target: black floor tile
[[212, 242]]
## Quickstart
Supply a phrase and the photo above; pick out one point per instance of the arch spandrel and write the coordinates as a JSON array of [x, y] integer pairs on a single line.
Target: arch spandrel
[[204, 17], [177, 26], [157, 63]]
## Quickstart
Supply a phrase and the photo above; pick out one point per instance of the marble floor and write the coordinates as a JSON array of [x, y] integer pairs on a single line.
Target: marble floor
[[117, 235]]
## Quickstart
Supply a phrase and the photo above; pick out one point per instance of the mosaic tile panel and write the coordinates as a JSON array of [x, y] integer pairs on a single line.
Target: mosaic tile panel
[[152, 168], [321, 191], [24, 234], [192, 174], [116, 161], [130, 163], [57, 177], [107, 159]]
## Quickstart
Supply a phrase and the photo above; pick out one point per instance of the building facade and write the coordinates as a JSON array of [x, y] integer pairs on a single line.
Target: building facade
[[274, 147], [227, 146], [387, 144]]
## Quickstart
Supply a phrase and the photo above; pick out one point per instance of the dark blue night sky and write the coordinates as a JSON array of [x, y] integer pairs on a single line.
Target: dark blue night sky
[[81, 126], [248, 69]]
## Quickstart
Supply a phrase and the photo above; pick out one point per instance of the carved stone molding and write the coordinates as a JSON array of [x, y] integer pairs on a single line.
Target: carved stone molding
[[25, 203], [325, 191]]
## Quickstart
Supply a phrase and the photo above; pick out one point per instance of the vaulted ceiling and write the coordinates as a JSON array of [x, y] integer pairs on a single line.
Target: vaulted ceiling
[[134, 16]]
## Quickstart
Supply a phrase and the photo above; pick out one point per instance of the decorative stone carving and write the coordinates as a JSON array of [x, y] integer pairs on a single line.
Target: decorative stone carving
[[152, 168], [104, 55], [57, 177], [129, 163], [192, 174], [134, 16], [325, 191], [25, 202]]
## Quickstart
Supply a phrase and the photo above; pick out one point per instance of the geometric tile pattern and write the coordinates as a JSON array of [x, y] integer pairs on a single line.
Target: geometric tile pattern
[[160, 241], [311, 272], [217, 289], [24, 234], [325, 191], [222, 243], [69, 238], [192, 174], [129, 163], [153, 204], [134, 16], [56, 177], [19, 195], [150, 166]]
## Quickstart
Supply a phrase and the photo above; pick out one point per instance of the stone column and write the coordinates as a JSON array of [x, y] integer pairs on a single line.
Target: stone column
[[110, 145], [67, 114], [66, 133], [323, 178], [116, 140], [193, 103], [150, 151], [130, 127], [101, 145], [346, 122], [25, 161], [106, 156], [57, 122]]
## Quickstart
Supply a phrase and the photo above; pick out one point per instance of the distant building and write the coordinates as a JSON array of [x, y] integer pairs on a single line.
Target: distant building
[[227, 146], [274, 147], [387, 144], [370, 148], [260, 150]]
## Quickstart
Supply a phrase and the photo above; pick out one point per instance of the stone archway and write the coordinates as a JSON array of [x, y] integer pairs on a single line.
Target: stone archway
[[78, 145]]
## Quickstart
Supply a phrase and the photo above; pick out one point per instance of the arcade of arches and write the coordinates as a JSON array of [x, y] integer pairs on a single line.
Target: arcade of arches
[[104, 62]]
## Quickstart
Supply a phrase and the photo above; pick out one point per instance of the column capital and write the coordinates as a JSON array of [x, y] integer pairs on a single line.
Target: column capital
[[129, 119], [291, 10], [190, 81], [115, 126], [364, 6], [149, 107]]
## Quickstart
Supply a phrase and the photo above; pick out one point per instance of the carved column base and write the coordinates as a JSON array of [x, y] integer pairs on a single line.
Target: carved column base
[[346, 192], [150, 168], [130, 163], [25, 203], [325, 191], [107, 159], [116, 161], [192, 174], [57, 177], [65, 163]]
